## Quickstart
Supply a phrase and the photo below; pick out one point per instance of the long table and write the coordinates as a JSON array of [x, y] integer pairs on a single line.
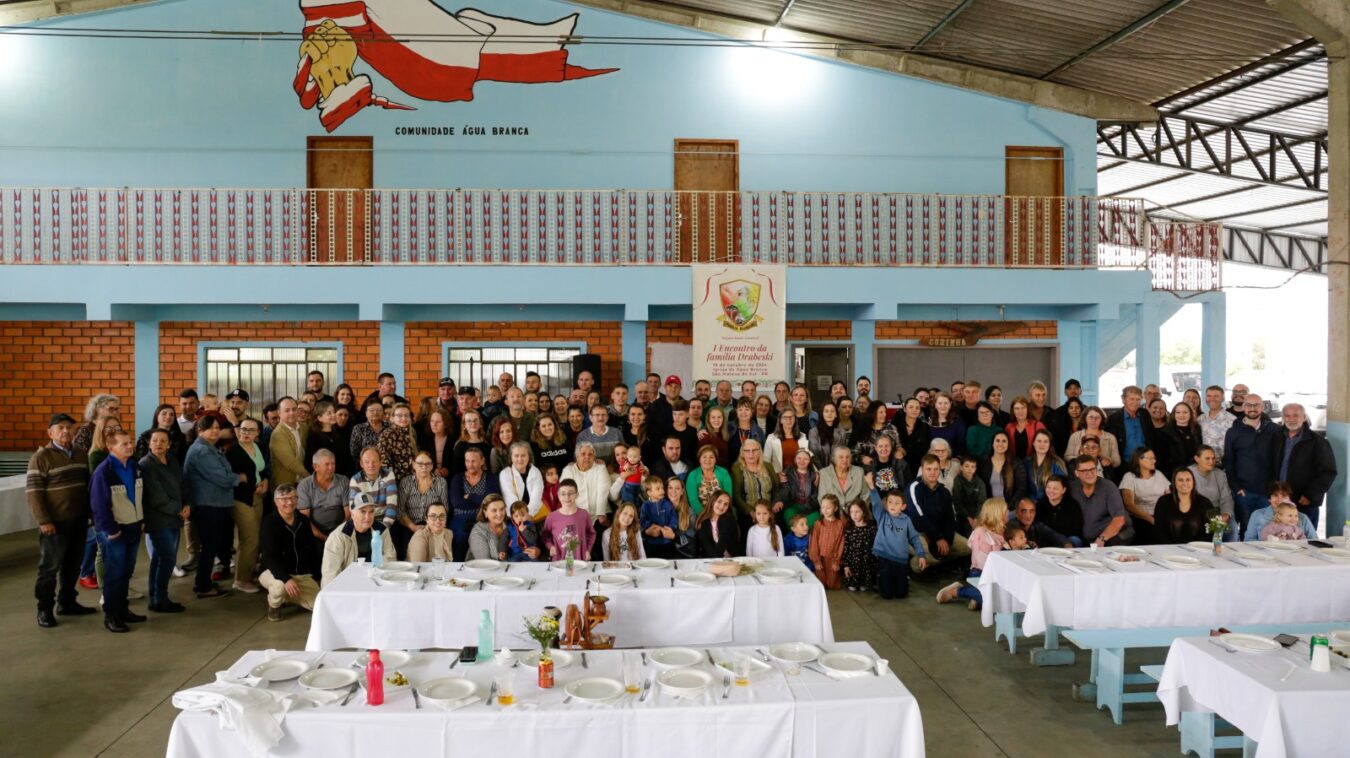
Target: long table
[[1143, 594], [1273, 698], [14, 513], [357, 611], [808, 715]]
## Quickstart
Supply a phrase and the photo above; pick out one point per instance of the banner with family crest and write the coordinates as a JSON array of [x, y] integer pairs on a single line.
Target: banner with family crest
[[740, 323]]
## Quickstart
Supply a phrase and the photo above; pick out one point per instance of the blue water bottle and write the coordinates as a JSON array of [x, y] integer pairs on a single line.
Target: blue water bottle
[[376, 548], [485, 636]]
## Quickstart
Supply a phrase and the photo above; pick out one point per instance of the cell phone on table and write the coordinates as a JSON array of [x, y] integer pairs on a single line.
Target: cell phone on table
[[1320, 543], [1286, 640], [469, 654]]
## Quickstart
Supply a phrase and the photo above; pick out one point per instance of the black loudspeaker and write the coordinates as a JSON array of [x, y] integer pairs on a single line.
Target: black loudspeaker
[[587, 362]]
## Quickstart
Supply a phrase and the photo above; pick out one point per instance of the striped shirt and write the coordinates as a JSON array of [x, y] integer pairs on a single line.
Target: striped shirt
[[58, 485]]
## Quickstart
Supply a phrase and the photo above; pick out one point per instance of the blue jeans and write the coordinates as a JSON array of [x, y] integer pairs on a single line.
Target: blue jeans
[[1075, 540], [119, 562], [970, 591], [90, 550], [461, 524], [1246, 504], [1312, 512], [163, 554]]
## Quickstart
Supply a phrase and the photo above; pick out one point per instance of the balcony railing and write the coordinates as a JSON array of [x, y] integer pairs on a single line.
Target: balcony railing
[[598, 227]]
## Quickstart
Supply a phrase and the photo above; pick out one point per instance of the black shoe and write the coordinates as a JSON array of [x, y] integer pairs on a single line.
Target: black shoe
[[132, 618], [213, 592], [169, 607], [46, 619], [115, 625], [74, 609]]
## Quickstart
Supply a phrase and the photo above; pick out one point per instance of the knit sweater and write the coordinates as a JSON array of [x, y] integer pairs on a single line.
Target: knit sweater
[[58, 485]]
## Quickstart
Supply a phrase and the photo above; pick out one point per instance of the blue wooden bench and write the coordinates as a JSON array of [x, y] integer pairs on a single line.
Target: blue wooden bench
[[1200, 731], [1107, 679], [1009, 626]]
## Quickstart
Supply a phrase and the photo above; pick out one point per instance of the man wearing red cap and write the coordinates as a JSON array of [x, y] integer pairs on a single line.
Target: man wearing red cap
[[661, 413]]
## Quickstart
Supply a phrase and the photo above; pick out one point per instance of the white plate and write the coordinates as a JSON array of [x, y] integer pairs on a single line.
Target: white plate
[[1255, 555], [1128, 550], [503, 583], [685, 682], [398, 566], [724, 662], [1054, 552], [1339, 554], [280, 669], [595, 689], [391, 659], [795, 652], [448, 690], [695, 579], [1183, 561], [401, 577], [1249, 643], [778, 575], [754, 563], [847, 663], [330, 678], [652, 563], [1288, 547], [483, 565], [675, 657], [576, 565], [561, 659], [457, 584], [1201, 545], [1339, 638], [614, 581], [1085, 564]]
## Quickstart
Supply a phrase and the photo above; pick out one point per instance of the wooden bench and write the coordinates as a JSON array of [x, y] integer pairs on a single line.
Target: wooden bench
[[1107, 679], [1200, 731], [1009, 626]]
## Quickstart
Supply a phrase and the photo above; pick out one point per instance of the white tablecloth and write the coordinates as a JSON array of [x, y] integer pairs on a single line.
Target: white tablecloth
[[1145, 594], [14, 513], [809, 715], [355, 611], [1300, 716]]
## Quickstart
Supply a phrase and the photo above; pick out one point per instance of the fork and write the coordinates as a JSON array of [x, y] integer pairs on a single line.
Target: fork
[[417, 699]]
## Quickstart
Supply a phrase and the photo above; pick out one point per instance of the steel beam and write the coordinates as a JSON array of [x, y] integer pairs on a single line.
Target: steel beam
[[1258, 247], [947, 19], [1255, 65], [1131, 28]]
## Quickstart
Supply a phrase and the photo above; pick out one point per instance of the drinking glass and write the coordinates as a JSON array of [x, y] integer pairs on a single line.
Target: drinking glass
[[742, 668], [438, 568], [506, 687], [632, 673]]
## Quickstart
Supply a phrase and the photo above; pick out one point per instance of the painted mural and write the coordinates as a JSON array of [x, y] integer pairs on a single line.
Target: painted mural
[[424, 50]]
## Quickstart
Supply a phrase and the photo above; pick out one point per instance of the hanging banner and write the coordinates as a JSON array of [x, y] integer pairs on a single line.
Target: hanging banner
[[740, 323]]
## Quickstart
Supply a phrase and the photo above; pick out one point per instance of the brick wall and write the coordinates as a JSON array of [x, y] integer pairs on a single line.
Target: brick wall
[[54, 366], [682, 333], [422, 346], [178, 348], [913, 330]]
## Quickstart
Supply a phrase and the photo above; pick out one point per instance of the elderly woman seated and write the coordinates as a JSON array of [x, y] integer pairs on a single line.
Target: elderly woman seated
[[434, 540], [355, 539]]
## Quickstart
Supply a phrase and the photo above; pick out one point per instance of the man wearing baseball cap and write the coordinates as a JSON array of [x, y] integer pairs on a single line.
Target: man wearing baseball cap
[[354, 539], [661, 413], [58, 496]]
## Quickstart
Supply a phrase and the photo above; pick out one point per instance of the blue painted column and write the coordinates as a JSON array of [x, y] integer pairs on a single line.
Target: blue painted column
[[391, 350], [147, 372], [1147, 347], [1214, 340], [864, 349], [1078, 358], [634, 352]]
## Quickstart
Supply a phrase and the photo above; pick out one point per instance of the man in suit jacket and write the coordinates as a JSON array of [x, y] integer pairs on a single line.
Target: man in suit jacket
[[288, 446]]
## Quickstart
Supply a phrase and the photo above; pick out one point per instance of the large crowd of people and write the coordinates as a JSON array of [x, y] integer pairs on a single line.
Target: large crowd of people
[[867, 495]]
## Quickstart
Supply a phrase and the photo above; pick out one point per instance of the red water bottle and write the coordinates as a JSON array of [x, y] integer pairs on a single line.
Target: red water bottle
[[374, 680]]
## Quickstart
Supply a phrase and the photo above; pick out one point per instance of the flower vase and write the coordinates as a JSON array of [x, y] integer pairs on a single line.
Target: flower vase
[[1218, 542], [545, 668]]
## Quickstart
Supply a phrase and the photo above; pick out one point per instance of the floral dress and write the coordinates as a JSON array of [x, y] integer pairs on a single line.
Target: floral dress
[[397, 450], [858, 559]]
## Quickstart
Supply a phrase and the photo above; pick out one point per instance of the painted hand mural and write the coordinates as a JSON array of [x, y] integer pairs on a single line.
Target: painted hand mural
[[424, 50]]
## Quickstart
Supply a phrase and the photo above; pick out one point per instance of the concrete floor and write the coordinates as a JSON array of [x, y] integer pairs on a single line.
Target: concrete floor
[[78, 690]]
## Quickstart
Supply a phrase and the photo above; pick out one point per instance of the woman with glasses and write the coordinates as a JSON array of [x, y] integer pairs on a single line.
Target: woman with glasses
[[435, 541], [416, 493]]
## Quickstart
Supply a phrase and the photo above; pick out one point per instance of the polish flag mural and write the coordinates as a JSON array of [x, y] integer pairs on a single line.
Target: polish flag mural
[[426, 51]]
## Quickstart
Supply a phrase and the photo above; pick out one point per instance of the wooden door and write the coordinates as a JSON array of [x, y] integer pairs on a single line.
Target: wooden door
[[340, 170], [1034, 210], [708, 171]]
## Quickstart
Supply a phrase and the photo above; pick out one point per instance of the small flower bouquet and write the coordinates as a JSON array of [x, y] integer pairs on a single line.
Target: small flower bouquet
[[1216, 526], [544, 630]]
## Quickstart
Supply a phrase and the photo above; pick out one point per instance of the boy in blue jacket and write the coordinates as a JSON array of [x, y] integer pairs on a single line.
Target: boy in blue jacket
[[523, 534], [658, 520], [896, 535]]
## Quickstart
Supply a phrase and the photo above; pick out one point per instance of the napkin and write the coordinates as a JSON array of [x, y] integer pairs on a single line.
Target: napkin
[[315, 698], [839, 675], [254, 712]]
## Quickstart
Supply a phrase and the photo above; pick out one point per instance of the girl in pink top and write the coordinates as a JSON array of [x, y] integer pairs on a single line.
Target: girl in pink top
[[985, 539]]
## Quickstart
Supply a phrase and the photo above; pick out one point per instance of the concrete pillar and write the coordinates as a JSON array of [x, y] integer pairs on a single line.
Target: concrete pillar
[[634, 350], [1147, 347], [1214, 340], [391, 352], [864, 349], [1329, 22], [1088, 363], [147, 372]]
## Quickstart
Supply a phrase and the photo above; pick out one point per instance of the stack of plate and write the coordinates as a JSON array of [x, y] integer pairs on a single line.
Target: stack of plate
[[685, 682], [675, 657], [330, 678], [795, 652], [483, 566], [652, 563], [1183, 562], [503, 582], [596, 689], [847, 665], [1054, 552], [778, 575], [449, 693], [1249, 643], [280, 669], [695, 579], [1086, 565], [614, 581]]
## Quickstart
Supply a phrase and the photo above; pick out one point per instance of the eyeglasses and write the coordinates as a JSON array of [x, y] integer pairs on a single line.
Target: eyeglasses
[[421, 463], [435, 517], [247, 430], [285, 499]]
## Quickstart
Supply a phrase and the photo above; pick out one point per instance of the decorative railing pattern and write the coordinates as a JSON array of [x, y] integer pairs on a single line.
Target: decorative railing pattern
[[598, 227]]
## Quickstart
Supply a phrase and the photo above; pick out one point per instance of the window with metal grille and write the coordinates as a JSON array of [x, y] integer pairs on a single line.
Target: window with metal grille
[[480, 366], [268, 373]]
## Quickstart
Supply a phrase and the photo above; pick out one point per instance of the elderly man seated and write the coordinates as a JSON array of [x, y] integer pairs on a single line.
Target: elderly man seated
[[290, 556], [1039, 533], [354, 539]]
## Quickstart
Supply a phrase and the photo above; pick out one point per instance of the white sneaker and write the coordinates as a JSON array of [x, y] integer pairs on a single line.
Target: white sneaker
[[179, 572], [135, 594], [948, 593]]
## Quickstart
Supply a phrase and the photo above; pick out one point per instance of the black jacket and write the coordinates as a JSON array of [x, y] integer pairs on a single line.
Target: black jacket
[[931, 511], [1065, 519], [242, 463], [730, 537], [1312, 465], [288, 549], [1014, 490]]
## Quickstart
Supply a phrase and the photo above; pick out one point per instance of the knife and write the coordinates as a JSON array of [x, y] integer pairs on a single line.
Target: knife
[[455, 661], [756, 578], [417, 700], [644, 657], [711, 662], [492, 693], [672, 581], [583, 661], [507, 570], [350, 692]]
